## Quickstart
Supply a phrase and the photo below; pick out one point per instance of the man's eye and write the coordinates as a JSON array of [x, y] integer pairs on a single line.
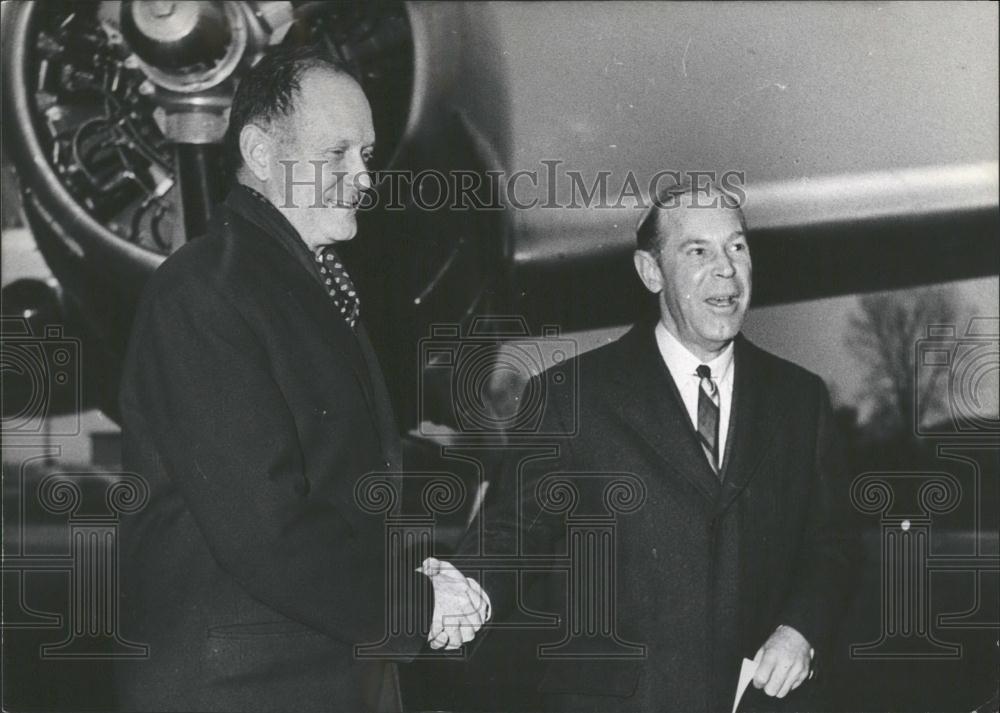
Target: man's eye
[[368, 157], [696, 252], [739, 247]]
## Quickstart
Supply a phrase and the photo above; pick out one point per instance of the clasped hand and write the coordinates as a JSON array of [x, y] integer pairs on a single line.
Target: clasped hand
[[783, 662], [461, 607]]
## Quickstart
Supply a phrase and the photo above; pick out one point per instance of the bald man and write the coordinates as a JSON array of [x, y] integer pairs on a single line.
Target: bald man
[[253, 404]]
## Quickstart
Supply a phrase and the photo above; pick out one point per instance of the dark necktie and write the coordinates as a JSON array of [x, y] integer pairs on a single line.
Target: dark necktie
[[708, 415], [338, 283]]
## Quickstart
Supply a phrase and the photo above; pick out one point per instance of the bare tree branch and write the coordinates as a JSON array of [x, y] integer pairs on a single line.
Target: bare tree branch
[[883, 334]]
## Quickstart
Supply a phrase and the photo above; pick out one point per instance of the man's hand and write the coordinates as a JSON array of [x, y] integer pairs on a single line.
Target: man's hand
[[461, 607], [783, 662]]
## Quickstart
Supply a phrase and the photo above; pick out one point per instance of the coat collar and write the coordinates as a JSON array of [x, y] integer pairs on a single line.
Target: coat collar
[[253, 206], [653, 408]]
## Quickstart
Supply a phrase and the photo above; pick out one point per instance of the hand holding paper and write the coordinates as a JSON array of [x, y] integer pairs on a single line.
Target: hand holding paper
[[461, 607], [747, 670]]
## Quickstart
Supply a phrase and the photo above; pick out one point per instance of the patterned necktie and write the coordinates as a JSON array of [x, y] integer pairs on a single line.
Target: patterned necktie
[[708, 415], [338, 283]]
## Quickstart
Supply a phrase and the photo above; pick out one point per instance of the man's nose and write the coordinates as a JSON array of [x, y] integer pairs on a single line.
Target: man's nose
[[362, 178], [724, 266]]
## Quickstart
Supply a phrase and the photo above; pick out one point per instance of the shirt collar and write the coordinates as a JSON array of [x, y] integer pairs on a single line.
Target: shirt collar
[[681, 362]]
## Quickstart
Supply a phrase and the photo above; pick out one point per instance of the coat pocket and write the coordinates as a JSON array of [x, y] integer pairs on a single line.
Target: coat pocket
[[600, 678], [265, 629], [237, 654]]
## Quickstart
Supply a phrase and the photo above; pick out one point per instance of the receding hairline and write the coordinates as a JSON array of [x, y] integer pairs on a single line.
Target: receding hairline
[[675, 201], [686, 200], [320, 68], [285, 126], [269, 92]]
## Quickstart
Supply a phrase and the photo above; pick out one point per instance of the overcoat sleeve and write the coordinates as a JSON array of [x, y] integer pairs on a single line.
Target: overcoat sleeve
[[827, 558]]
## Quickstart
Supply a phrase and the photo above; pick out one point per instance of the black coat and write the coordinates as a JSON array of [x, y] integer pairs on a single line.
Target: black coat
[[252, 409], [705, 569]]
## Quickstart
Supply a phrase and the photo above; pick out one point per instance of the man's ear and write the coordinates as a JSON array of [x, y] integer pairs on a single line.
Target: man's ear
[[648, 268], [256, 147]]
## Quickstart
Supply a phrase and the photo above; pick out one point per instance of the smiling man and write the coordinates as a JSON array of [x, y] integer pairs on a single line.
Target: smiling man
[[315, 168], [737, 550], [252, 403]]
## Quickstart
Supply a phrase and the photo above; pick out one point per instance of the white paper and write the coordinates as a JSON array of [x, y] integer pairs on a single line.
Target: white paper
[[747, 670]]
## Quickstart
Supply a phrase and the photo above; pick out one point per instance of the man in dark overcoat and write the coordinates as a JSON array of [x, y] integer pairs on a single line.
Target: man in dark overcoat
[[253, 404], [736, 550]]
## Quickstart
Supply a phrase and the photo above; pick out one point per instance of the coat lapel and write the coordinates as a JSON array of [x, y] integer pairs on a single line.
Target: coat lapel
[[315, 303], [653, 408], [340, 338], [357, 350], [388, 431], [753, 422]]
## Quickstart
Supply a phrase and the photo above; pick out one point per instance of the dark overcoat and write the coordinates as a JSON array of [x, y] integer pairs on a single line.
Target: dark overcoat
[[251, 409], [706, 567]]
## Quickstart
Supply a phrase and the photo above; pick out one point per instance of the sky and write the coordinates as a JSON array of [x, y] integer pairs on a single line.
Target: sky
[[812, 334]]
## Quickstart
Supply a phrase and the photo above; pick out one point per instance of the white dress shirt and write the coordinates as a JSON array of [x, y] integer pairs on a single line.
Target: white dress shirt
[[682, 365]]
